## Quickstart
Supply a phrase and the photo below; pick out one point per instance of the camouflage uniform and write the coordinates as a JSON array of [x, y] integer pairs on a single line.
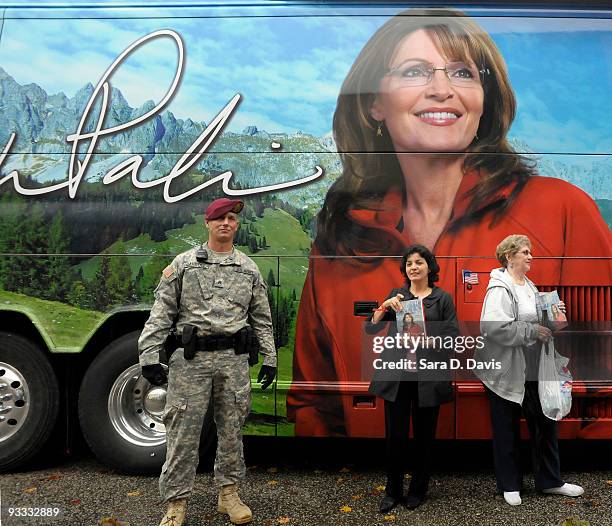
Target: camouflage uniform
[[220, 296]]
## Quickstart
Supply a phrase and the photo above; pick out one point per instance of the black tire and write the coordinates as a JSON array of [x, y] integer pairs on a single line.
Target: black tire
[[29, 415], [120, 428]]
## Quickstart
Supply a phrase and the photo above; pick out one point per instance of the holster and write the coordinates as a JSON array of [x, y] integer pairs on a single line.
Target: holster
[[245, 342], [189, 341], [253, 345]]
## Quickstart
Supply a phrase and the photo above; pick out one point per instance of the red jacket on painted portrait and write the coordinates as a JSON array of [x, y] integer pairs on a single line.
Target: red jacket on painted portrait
[[560, 219]]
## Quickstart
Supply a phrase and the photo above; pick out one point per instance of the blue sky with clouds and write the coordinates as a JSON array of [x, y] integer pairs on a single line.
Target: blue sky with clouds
[[289, 70]]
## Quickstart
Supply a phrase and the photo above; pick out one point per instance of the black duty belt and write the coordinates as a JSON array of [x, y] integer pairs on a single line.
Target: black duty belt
[[215, 343], [193, 344]]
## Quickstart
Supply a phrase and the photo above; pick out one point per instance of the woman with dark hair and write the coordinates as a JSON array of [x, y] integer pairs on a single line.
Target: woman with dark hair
[[416, 390], [421, 126]]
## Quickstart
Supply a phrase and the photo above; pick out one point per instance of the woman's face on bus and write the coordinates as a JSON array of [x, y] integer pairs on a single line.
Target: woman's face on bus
[[438, 116]]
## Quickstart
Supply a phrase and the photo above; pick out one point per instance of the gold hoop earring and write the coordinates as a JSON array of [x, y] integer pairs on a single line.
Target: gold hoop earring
[[379, 130]]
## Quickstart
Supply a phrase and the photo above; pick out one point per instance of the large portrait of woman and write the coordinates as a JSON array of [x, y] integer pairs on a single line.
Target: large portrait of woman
[[421, 126]]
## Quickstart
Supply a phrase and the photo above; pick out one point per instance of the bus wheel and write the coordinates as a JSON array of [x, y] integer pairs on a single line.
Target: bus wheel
[[29, 400], [121, 412]]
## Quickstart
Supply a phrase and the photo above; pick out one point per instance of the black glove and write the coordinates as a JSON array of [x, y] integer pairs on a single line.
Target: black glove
[[155, 374], [266, 376]]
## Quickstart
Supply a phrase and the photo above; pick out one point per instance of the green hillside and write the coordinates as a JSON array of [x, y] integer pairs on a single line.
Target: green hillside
[[64, 327], [284, 236]]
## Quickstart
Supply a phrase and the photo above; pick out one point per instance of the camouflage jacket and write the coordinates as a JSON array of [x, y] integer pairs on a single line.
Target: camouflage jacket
[[219, 296]]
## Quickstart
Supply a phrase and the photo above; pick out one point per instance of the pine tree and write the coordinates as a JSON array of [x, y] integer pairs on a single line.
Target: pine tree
[[99, 286], [138, 283], [11, 212], [152, 272], [119, 284], [32, 239], [79, 297], [59, 274]]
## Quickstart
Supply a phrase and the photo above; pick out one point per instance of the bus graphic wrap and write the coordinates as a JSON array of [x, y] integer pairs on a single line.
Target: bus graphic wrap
[[119, 126]]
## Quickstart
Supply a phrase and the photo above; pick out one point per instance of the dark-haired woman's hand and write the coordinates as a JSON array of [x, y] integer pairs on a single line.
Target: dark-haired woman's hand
[[394, 303]]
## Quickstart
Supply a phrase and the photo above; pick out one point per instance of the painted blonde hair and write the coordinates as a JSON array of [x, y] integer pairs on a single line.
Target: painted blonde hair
[[368, 174]]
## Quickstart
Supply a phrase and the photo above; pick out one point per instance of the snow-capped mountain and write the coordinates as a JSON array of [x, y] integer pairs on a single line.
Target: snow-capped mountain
[[43, 121]]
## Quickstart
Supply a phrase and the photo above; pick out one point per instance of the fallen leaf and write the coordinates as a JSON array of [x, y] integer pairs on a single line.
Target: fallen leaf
[[268, 523], [345, 470], [31, 489], [571, 502], [346, 509], [339, 480], [55, 476], [272, 470], [381, 488], [572, 521], [356, 497], [75, 502], [109, 521], [283, 520], [272, 482], [609, 482], [592, 503], [134, 493], [389, 517]]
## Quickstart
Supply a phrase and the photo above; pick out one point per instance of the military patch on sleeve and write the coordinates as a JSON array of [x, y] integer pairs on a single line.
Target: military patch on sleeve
[[168, 272]]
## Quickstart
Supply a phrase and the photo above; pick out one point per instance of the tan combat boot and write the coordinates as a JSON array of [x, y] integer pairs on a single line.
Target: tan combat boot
[[175, 514], [230, 503]]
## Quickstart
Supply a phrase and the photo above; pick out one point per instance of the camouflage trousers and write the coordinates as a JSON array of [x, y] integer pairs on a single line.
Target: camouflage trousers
[[225, 376]]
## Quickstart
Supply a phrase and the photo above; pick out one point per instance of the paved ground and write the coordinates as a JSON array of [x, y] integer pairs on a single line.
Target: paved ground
[[315, 482]]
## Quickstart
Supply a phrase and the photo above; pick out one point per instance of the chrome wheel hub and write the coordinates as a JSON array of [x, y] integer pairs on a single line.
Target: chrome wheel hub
[[135, 408], [14, 400]]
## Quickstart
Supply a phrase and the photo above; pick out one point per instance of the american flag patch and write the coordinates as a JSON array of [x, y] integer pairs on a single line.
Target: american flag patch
[[470, 277]]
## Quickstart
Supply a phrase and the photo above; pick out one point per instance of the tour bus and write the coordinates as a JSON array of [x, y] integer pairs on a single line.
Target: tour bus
[[121, 121]]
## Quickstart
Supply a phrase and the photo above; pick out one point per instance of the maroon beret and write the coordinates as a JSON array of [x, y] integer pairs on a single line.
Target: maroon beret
[[220, 207]]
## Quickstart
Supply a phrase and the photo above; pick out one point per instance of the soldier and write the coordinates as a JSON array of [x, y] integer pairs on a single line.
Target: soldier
[[212, 294]]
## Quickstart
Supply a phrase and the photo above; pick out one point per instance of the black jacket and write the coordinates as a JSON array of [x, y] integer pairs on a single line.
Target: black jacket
[[435, 385]]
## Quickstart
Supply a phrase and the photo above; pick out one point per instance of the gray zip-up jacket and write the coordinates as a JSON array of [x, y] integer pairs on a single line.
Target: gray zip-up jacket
[[506, 338]]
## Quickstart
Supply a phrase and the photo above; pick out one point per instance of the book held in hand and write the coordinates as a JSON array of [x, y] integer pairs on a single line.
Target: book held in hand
[[411, 318], [549, 302]]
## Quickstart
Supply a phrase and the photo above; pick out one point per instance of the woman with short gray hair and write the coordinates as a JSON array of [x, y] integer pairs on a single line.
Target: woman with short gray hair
[[511, 323]]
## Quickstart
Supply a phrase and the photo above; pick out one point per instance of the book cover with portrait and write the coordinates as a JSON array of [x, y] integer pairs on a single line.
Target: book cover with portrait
[[549, 302], [411, 318]]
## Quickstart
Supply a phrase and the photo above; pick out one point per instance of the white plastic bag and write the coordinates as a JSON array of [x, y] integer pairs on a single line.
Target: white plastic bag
[[554, 383]]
